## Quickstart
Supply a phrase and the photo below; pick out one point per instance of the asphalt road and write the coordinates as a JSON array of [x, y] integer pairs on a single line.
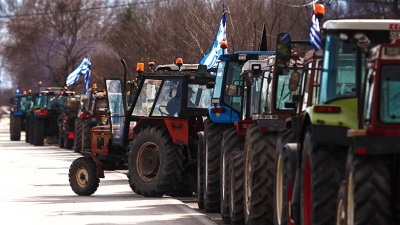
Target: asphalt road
[[35, 190]]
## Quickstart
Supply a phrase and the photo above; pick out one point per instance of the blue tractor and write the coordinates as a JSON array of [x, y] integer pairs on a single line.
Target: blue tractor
[[225, 110], [21, 104]]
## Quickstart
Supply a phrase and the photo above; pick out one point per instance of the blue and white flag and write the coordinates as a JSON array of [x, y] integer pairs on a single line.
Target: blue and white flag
[[82, 70], [210, 59], [87, 80], [315, 35]]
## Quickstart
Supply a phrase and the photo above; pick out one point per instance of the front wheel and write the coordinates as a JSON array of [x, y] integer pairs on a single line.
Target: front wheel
[[155, 163], [368, 190], [322, 171], [82, 176], [38, 135], [15, 127]]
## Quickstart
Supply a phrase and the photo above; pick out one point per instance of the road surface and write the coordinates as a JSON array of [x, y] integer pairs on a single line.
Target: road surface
[[35, 190]]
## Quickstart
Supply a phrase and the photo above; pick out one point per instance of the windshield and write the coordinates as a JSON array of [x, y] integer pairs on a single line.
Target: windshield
[[147, 96], [25, 103], [338, 78], [266, 92], [283, 92], [51, 101]]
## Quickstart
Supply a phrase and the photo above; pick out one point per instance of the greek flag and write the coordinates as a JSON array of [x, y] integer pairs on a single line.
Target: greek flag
[[82, 70], [210, 59], [315, 36]]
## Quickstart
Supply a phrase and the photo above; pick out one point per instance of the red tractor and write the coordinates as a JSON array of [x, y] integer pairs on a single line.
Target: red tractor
[[92, 112], [370, 193], [155, 138], [67, 122]]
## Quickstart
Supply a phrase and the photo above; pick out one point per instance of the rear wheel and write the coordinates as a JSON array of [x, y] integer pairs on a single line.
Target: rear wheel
[[231, 142], [236, 188], [322, 171], [82, 176], [284, 178], [369, 195], [87, 131], [31, 130], [27, 127], [259, 176], [60, 138], [78, 135], [38, 133], [213, 136], [200, 170], [155, 162], [15, 127]]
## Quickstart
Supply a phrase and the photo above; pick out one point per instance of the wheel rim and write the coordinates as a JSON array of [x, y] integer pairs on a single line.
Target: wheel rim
[[350, 200], [148, 161], [82, 177], [340, 213], [278, 189], [307, 192], [248, 182]]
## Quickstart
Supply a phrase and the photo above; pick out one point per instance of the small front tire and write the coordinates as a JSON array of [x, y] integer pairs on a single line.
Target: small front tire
[[82, 176]]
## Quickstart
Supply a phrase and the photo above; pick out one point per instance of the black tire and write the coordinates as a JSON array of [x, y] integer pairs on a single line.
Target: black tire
[[87, 132], [231, 142], [31, 130], [259, 176], [322, 171], [236, 185], [155, 162], [213, 136], [27, 127], [369, 195], [200, 170], [15, 127], [184, 187], [78, 135], [60, 139], [38, 133], [83, 177], [284, 178]]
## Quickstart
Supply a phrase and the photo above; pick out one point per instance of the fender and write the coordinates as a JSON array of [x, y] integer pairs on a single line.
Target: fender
[[99, 165], [225, 114], [177, 128]]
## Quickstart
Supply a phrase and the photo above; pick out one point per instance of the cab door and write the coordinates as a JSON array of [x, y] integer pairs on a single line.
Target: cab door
[[116, 106]]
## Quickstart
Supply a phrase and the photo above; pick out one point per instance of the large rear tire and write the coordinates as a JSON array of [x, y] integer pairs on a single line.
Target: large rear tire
[[15, 127], [212, 160], [78, 135], [231, 142], [31, 130], [284, 178], [369, 195], [236, 207], [60, 138], [200, 170], [38, 135], [87, 132], [27, 128], [83, 177], [155, 162], [259, 176], [322, 171]]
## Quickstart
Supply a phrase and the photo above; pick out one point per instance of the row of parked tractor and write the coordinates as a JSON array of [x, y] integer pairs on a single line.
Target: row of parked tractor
[[292, 136], [55, 112]]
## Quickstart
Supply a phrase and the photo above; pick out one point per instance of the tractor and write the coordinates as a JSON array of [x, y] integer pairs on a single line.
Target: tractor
[[21, 104], [321, 148], [370, 191], [92, 112], [48, 106], [155, 138], [68, 116]]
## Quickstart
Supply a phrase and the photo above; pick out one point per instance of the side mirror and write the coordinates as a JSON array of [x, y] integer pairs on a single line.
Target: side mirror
[[294, 81], [283, 50]]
